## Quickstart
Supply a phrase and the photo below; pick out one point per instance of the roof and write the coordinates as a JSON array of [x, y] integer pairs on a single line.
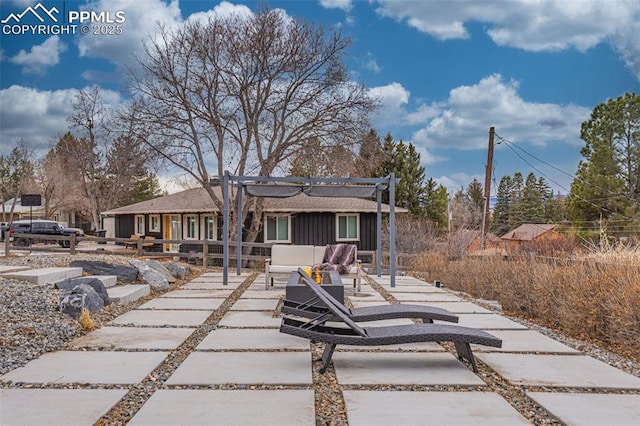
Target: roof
[[529, 231], [20, 209], [197, 200]]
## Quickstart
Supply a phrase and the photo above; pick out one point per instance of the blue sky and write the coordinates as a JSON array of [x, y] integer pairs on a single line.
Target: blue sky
[[443, 70]]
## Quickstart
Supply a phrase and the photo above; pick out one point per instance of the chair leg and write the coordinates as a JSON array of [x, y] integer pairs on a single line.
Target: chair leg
[[326, 356], [464, 352]]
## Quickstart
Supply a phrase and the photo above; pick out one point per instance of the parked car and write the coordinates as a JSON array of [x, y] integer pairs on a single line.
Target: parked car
[[43, 227]]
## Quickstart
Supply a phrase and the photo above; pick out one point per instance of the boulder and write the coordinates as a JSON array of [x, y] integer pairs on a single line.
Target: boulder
[[177, 270], [159, 266], [150, 276], [82, 296], [125, 274], [70, 283]]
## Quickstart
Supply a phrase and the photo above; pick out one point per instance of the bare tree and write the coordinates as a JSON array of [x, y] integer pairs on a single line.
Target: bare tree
[[16, 176], [245, 94]]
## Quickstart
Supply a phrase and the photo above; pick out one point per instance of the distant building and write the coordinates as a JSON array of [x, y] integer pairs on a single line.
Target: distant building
[[471, 240], [529, 233], [35, 212]]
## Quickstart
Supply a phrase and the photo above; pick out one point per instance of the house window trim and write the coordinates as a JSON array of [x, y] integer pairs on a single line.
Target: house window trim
[[185, 229], [338, 216], [288, 240], [203, 227], [136, 221], [151, 219]]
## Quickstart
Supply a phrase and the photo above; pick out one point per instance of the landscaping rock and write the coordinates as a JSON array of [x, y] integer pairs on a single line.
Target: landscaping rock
[[125, 274], [150, 276], [82, 296], [159, 266], [177, 270], [96, 284]]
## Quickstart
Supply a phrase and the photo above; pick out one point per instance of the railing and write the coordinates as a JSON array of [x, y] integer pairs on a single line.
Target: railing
[[197, 251]]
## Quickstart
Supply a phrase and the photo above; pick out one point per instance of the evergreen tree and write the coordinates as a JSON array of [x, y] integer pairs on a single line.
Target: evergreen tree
[[607, 182], [501, 212], [532, 201], [370, 159], [404, 162], [435, 205]]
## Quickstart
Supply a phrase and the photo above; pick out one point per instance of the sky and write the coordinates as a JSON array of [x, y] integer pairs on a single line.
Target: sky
[[444, 71]]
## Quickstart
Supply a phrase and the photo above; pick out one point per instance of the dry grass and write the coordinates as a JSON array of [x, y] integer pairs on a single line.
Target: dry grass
[[594, 298]]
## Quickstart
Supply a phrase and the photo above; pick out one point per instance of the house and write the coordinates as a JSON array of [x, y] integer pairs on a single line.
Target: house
[[300, 219], [529, 233], [66, 218]]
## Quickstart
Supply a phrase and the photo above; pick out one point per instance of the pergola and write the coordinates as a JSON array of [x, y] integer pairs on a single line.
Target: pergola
[[279, 187]]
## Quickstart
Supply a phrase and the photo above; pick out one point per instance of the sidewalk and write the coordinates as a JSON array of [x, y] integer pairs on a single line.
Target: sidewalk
[[230, 365]]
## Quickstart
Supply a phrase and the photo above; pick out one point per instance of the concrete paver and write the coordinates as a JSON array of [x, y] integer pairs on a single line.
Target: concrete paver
[[255, 305], [591, 408], [376, 368], [458, 307], [228, 407], [43, 276], [214, 368], [199, 303], [261, 294], [427, 297], [558, 370], [88, 367], [251, 338], [367, 408], [487, 322], [250, 319], [215, 293], [56, 407], [196, 285], [134, 338], [122, 294], [162, 318], [525, 341]]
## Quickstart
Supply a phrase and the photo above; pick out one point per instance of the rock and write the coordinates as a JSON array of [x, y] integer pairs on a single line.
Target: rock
[[82, 296], [158, 266], [70, 283], [150, 276], [125, 273], [177, 270]]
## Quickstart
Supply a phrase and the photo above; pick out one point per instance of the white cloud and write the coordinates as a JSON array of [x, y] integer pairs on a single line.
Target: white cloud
[[529, 24], [393, 98], [41, 56], [142, 18], [372, 64], [345, 5], [465, 117], [38, 116], [455, 181]]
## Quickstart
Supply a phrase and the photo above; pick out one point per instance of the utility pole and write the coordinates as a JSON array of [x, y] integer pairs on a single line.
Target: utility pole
[[487, 188]]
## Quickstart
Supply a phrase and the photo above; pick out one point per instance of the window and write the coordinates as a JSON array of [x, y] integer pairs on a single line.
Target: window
[[154, 222], [277, 228], [348, 226], [209, 226], [139, 224], [192, 227]]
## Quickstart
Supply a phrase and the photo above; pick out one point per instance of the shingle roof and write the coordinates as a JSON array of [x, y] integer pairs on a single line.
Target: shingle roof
[[528, 231], [198, 201]]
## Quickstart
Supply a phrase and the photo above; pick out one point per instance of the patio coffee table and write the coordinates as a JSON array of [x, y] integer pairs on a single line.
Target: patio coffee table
[[296, 291]]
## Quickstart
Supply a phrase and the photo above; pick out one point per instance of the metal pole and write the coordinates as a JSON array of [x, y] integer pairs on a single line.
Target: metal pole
[[379, 234], [487, 188], [239, 232], [392, 228], [225, 229]]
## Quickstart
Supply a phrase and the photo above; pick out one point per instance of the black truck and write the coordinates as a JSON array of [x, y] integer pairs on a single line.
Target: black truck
[[41, 227]]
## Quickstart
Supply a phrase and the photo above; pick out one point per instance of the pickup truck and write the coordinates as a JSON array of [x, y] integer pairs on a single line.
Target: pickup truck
[[43, 227]]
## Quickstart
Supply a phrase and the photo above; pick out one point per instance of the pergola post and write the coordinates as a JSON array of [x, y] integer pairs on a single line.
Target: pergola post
[[239, 232], [379, 233], [392, 228], [225, 229]]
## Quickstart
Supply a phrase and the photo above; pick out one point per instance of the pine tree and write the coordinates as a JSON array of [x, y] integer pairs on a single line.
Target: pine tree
[[532, 201], [501, 212]]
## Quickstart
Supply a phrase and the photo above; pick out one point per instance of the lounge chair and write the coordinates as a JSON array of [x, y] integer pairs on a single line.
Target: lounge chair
[[314, 307], [354, 335]]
